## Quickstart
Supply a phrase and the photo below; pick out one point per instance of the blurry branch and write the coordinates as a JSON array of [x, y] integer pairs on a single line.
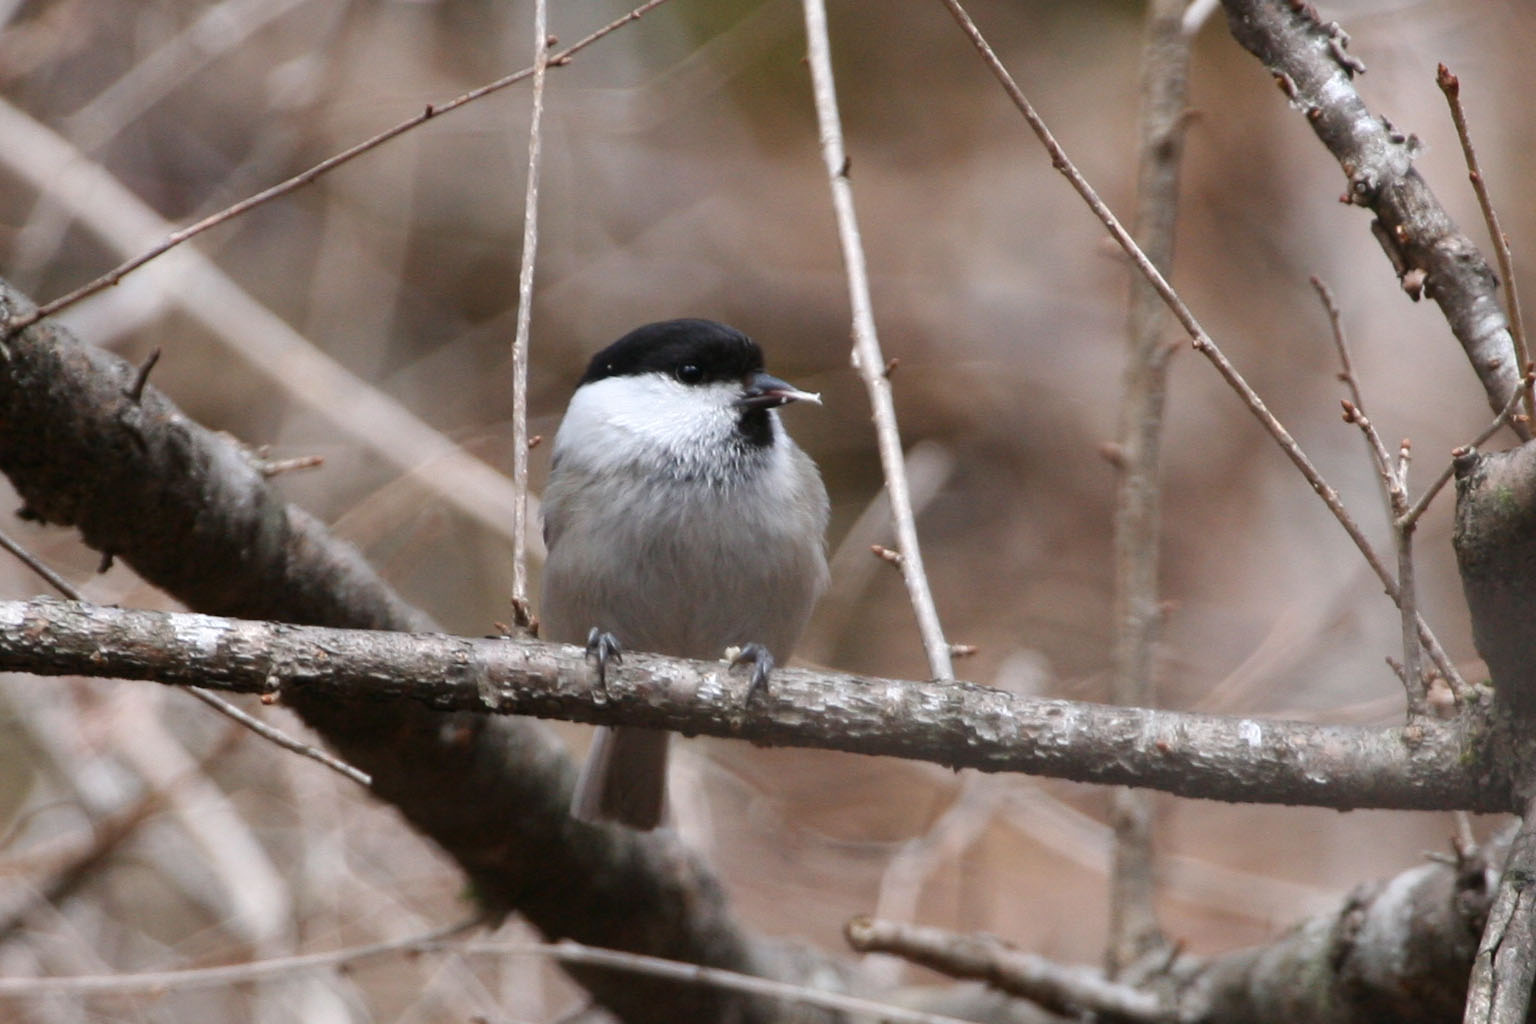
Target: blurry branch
[[522, 613], [354, 408], [957, 724], [17, 321], [191, 514], [443, 941], [1451, 87], [1133, 924], [79, 862], [867, 358], [217, 29], [1312, 67], [157, 982], [1203, 343], [1398, 949], [73, 866], [1071, 991]]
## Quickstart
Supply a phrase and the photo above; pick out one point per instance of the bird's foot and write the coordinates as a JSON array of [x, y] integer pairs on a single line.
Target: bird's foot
[[762, 665], [604, 649]]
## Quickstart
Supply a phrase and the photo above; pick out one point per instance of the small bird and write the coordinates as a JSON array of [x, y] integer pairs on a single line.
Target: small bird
[[680, 519]]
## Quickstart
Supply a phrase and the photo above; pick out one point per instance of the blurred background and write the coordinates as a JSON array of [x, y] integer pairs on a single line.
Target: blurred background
[[682, 177]]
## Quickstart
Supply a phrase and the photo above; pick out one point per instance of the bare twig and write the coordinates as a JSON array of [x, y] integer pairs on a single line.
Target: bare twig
[[1394, 483], [542, 42], [38, 566], [135, 390], [117, 273], [1202, 341], [1450, 85], [282, 739], [867, 358], [1133, 924], [1505, 966], [1499, 421], [1061, 989], [1340, 340]]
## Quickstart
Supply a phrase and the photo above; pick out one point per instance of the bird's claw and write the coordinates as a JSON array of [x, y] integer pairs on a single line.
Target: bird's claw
[[604, 649], [762, 664]]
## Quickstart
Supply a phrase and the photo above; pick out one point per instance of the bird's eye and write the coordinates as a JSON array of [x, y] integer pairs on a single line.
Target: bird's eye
[[689, 373]]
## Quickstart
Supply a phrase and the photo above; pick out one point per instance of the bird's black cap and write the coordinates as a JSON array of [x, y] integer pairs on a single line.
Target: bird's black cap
[[694, 351]]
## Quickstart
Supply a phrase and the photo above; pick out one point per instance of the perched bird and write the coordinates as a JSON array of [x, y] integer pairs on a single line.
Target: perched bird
[[680, 519]]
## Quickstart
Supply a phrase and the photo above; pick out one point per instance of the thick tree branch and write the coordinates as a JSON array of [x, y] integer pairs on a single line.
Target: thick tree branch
[[1500, 988], [1429, 252], [958, 724], [1495, 541], [1395, 950]]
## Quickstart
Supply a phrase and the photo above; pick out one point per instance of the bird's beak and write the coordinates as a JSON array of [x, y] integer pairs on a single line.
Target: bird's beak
[[765, 391]]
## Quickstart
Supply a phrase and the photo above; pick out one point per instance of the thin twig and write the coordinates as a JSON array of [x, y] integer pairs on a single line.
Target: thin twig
[[1394, 490], [1505, 415], [1055, 987], [117, 273], [867, 358], [1450, 85], [219, 704], [282, 739], [38, 566], [1202, 341], [1340, 340], [1413, 675], [542, 43], [135, 392], [1394, 485]]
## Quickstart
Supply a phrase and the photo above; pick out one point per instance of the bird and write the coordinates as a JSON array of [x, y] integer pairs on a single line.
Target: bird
[[679, 518]]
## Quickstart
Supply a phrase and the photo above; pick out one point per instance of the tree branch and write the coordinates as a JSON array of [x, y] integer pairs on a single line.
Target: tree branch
[[957, 724], [867, 359], [1429, 252], [1063, 989], [1397, 950]]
